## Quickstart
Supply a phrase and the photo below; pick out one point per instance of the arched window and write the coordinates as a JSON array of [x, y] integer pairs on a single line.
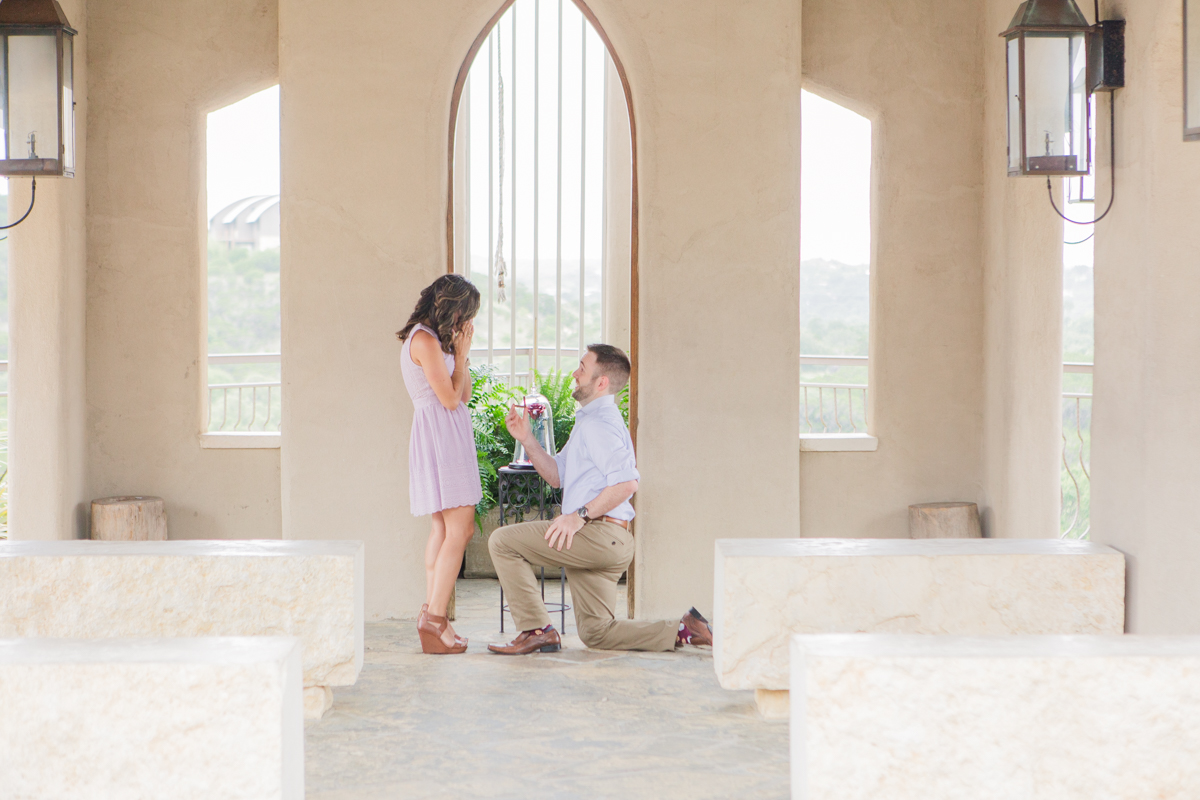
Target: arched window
[[542, 191], [243, 269], [835, 269]]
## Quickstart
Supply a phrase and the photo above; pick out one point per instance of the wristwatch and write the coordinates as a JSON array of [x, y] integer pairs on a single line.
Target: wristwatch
[[583, 514]]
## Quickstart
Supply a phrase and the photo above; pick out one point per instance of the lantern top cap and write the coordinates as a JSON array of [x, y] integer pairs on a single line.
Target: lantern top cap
[[33, 12], [1041, 15]]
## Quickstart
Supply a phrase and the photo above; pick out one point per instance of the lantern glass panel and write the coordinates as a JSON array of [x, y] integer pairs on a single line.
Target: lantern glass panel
[[68, 105], [1056, 103], [1191, 67], [1014, 105], [31, 80]]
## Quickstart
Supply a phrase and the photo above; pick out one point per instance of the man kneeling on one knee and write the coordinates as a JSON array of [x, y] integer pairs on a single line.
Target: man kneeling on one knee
[[591, 538]]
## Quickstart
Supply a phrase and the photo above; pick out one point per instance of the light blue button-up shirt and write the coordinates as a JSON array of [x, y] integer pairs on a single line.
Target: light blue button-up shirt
[[598, 454]]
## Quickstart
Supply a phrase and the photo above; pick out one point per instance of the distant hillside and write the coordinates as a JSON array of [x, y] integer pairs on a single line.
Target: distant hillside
[[834, 308], [1079, 334]]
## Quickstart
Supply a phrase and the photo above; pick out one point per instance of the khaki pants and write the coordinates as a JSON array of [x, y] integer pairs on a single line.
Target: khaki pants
[[600, 552]]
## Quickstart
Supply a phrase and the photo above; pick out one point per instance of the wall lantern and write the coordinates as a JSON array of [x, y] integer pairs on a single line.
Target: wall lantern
[[1048, 109], [37, 97], [37, 107]]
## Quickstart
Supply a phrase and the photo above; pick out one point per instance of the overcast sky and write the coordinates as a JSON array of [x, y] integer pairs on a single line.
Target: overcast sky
[[243, 150], [243, 160], [835, 182]]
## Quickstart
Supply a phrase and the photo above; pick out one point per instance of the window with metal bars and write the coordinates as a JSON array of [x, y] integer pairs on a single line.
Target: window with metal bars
[[533, 160]]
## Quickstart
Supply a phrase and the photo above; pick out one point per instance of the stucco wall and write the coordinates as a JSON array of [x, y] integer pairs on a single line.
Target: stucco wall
[[965, 292], [1145, 433], [920, 86], [156, 68], [366, 94], [1023, 336], [47, 445]]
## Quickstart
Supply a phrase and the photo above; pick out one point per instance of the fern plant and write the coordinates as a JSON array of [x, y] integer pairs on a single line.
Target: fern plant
[[556, 387], [490, 401]]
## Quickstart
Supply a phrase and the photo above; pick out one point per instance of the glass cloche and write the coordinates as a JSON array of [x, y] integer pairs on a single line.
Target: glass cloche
[[541, 421]]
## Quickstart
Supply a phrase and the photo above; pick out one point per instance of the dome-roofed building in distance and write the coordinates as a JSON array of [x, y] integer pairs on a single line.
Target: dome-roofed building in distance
[[251, 222]]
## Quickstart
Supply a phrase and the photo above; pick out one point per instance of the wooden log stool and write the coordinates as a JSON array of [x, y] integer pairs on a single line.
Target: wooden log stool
[[129, 519], [944, 521]]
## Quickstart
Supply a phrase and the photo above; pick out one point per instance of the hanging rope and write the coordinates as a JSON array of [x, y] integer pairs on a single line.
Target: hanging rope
[[501, 267]]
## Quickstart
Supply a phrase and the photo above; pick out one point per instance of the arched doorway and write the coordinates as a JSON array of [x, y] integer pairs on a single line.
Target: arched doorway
[[542, 191]]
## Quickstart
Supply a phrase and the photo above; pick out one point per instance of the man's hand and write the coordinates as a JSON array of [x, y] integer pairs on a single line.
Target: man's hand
[[562, 531], [518, 424]]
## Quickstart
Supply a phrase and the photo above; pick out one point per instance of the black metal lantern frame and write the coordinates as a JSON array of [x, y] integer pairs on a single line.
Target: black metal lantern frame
[[37, 97], [1049, 115], [1049, 112]]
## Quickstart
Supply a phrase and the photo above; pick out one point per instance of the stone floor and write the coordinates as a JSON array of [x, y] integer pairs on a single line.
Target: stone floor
[[577, 724]]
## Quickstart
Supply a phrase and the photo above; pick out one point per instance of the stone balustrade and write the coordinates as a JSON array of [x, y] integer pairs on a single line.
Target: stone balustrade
[[767, 590], [186, 719], [949, 717], [96, 590]]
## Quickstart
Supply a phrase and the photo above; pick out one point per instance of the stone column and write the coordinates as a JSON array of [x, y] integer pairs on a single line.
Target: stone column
[[1022, 310], [47, 298], [1145, 432]]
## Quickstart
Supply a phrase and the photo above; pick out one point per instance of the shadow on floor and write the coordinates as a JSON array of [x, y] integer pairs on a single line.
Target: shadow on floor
[[574, 724]]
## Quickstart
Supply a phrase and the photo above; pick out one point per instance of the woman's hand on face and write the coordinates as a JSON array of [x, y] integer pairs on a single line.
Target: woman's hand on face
[[462, 340]]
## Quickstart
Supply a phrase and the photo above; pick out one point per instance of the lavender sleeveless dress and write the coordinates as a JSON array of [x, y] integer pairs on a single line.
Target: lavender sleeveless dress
[[443, 471]]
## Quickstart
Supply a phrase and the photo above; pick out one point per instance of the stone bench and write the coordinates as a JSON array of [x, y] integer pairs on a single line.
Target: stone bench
[[188, 719], [97, 590], [766, 590], [948, 717]]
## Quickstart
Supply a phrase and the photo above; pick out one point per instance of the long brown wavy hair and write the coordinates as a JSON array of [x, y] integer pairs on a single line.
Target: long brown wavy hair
[[445, 305]]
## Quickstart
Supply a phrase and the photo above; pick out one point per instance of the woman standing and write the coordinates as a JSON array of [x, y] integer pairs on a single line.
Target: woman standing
[[443, 470]]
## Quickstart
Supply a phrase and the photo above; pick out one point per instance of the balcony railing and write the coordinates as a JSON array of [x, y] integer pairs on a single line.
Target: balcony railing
[[515, 365], [1076, 485], [252, 406], [833, 407]]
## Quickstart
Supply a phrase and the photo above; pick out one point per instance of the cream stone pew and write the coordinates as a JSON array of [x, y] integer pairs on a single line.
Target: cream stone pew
[[948, 717], [185, 719], [95, 590], [766, 590]]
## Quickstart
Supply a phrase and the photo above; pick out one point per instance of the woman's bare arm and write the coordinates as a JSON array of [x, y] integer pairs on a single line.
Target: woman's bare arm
[[426, 352], [468, 384]]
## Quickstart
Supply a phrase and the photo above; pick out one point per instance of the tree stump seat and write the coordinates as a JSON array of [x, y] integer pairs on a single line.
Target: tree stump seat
[[944, 521], [129, 518]]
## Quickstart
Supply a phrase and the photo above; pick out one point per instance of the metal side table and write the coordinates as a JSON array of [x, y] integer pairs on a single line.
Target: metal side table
[[523, 493]]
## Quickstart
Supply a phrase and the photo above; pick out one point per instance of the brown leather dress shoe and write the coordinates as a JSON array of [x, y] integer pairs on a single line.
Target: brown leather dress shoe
[[696, 629], [543, 640]]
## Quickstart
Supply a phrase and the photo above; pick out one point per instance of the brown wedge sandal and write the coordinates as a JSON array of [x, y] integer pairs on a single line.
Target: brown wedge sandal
[[430, 630], [425, 612]]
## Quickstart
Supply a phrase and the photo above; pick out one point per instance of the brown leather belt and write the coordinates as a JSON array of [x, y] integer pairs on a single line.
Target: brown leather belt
[[624, 523]]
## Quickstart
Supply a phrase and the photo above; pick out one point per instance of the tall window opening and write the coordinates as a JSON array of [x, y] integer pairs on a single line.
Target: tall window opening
[[244, 387], [3, 363], [835, 267], [542, 133], [1079, 353]]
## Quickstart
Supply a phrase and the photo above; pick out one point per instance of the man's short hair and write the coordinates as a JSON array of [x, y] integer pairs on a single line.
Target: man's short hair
[[612, 362]]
